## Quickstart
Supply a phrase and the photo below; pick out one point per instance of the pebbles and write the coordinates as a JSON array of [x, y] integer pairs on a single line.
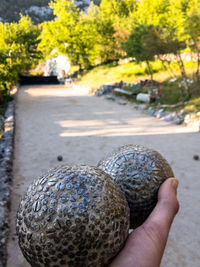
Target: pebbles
[[174, 117], [104, 89], [6, 154]]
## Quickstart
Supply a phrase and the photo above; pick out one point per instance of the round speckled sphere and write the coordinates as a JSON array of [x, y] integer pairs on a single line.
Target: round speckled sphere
[[72, 216], [139, 172]]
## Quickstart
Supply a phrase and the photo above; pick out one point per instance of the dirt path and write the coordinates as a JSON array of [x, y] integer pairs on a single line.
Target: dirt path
[[54, 120]]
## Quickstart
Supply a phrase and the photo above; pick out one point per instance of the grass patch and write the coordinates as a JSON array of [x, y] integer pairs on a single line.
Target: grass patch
[[129, 72], [171, 93], [193, 105], [133, 73]]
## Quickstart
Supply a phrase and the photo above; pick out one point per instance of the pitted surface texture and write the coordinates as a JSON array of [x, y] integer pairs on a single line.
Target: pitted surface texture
[[139, 171], [72, 216]]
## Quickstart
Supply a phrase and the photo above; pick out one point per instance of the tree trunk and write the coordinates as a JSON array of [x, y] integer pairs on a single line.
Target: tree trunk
[[169, 69], [149, 69], [183, 74], [181, 90], [198, 64], [195, 75]]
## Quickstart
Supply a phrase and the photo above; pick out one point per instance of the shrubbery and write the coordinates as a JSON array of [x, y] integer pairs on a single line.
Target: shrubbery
[[144, 30], [18, 51]]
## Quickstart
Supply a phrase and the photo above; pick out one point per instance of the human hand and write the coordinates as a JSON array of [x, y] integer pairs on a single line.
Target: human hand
[[145, 245]]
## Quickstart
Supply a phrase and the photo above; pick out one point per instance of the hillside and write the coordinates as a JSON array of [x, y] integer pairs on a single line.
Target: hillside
[[38, 10]]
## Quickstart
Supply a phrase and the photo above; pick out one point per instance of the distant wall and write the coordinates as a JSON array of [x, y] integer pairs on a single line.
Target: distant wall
[[26, 80]]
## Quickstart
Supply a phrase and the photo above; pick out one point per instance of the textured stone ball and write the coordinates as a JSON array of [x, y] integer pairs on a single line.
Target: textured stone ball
[[59, 158], [196, 157], [72, 216], [139, 171]]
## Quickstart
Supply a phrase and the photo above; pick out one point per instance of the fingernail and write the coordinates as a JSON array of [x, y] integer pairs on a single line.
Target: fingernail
[[175, 184]]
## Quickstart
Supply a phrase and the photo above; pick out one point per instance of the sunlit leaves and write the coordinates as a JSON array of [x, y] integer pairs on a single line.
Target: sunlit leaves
[[18, 42]]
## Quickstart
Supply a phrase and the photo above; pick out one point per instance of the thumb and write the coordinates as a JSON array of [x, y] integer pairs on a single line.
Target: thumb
[[166, 208], [157, 226], [146, 244]]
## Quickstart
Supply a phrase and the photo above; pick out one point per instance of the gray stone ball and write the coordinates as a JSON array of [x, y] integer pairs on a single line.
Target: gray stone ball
[[196, 157], [72, 216], [139, 171], [59, 158]]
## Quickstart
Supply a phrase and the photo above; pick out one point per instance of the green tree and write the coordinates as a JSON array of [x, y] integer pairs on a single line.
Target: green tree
[[48, 40], [18, 54], [112, 27], [174, 27], [169, 17], [117, 8], [143, 44], [151, 12], [71, 33], [105, 38], [87, 39], [191, 27]]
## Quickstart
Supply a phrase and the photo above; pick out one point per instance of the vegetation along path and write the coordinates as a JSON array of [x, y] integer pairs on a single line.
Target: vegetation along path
[[55, 120]]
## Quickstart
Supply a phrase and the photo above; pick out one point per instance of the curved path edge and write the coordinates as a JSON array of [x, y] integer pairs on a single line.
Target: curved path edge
[[6, 177]]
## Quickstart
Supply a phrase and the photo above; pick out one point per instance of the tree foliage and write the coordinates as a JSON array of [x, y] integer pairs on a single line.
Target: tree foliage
[[110, 30], [72, 33], [177, 22], [87, 39], [18, 53], [143, 44]]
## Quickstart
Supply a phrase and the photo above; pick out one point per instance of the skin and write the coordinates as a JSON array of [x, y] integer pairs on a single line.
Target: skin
[[145, 245]]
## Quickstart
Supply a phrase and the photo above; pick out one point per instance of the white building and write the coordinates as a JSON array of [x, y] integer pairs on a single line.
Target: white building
[[57, 66]]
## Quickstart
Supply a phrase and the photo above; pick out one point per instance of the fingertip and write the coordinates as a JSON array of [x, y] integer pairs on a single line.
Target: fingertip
[[167, 195], [167, 206], [168, 188], [174, 182]]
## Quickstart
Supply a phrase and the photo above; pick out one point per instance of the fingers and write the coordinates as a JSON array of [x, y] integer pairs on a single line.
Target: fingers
[[163, 214], [146, 244]]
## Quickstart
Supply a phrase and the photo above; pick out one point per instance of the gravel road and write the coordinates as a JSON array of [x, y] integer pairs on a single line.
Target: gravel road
[[55, 120]]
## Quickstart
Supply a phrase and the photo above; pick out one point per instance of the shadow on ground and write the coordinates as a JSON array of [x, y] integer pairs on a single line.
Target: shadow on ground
[[53, 120]]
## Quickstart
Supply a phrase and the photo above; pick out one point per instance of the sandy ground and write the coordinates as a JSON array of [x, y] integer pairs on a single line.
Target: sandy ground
[[54, 120]]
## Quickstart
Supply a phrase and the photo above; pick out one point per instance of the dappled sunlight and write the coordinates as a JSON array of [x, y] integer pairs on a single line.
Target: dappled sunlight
[[49, 90], [51, 121], [73, 116], [130, 127]]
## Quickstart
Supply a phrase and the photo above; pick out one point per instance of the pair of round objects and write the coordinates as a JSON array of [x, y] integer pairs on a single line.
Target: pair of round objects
[[139, 172], [80, 215]]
